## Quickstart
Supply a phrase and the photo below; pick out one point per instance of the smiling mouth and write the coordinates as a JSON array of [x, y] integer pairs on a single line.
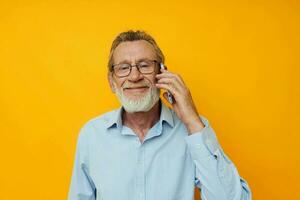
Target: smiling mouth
[[137, 88]]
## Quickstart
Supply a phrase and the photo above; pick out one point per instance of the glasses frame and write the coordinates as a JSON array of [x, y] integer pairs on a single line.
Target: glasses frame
[[135, 65]]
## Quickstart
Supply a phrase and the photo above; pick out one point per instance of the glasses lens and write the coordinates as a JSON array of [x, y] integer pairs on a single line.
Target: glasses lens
[[146, 67], [122, 69]]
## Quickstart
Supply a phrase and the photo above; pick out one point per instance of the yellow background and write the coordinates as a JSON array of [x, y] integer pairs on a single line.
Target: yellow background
[[240, 59]]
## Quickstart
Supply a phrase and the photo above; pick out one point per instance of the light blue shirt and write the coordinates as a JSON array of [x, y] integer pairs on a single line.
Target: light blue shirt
[[112, 164]]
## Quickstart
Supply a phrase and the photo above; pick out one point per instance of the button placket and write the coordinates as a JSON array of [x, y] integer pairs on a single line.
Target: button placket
[[140, 179]]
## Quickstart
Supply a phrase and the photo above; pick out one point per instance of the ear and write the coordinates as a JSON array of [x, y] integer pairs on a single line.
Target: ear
[[111, 82]]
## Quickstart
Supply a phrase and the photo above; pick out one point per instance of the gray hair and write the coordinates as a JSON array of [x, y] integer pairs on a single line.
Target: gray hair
[[134, 36]]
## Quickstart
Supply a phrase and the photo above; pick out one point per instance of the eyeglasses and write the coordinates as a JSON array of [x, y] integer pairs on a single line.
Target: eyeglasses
[[144, 67]]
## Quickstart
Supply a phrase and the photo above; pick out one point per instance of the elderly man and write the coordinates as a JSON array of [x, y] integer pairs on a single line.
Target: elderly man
[[145, 150]]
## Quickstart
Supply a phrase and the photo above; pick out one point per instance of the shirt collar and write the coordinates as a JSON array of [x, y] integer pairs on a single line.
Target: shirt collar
[[165, 115], [115, 118]]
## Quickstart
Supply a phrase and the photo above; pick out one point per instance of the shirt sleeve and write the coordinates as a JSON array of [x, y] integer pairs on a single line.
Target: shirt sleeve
[[216, 174], [82, 186]]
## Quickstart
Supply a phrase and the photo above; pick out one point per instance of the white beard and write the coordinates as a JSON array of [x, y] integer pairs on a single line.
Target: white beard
[[142, 104]]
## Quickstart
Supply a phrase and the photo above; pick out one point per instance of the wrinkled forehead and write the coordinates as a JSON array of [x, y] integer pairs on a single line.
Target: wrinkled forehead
[[133, 51]]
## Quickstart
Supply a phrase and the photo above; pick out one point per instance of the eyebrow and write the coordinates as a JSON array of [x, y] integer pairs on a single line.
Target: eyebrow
[[138, 60]]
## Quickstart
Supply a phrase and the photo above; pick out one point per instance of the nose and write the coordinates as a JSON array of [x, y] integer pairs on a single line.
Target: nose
[[135, 74]]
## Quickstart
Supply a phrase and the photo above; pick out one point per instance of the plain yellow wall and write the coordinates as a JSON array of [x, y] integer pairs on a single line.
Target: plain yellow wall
[[239, 58]]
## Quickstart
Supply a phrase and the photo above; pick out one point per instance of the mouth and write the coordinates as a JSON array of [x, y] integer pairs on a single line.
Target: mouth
[[137, 89]]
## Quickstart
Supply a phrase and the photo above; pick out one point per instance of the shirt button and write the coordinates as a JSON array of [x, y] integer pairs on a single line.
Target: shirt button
[[137, 143]]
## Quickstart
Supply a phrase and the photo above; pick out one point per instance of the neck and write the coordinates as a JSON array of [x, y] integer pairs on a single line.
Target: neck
[[141, 122]]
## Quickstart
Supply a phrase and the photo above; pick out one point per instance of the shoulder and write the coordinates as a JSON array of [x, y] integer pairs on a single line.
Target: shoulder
[[97, 124]]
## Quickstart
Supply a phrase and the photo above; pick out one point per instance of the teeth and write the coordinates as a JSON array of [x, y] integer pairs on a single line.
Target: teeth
[[136, 87]]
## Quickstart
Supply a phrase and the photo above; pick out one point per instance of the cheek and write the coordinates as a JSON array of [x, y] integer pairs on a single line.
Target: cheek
[[119, 83]]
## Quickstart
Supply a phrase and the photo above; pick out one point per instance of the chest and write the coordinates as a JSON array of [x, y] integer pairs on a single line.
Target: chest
[[162, 162]]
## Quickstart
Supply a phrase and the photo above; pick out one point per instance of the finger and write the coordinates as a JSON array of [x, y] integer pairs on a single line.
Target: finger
[[172, 82], [167, 87], [172, 78], [179, 84], [167, 74]]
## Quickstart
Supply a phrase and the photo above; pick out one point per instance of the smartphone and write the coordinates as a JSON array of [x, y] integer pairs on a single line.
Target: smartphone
[[170, 96]]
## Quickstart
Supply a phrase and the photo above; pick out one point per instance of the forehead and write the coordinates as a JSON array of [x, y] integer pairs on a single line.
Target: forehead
[[133, 50]]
